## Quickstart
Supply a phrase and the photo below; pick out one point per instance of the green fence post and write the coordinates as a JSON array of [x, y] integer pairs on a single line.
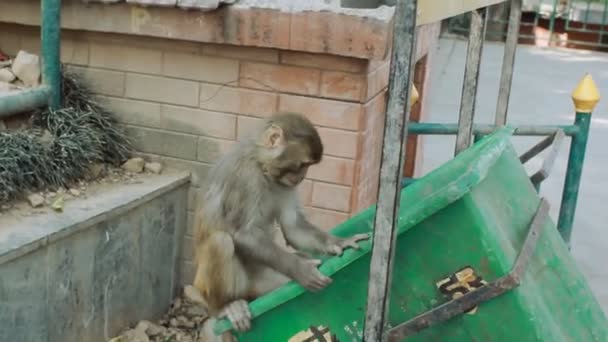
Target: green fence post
[[585, 96], [50, 29]]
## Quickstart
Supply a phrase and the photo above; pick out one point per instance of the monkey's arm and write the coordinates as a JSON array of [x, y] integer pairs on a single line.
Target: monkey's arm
[[255, 245], [303, 235]]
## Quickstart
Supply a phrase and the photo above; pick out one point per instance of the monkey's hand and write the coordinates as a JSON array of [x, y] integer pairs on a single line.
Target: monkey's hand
[[308, 275], [337, 245], [239, 315]]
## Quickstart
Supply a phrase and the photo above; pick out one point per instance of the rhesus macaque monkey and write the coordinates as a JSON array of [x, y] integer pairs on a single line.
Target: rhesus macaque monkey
[[248, 190]]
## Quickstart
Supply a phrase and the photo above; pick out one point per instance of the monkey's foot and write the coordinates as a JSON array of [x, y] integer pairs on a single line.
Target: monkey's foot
[[239, 315]]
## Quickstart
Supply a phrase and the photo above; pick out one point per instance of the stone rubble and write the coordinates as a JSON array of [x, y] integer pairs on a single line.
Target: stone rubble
[[134, 165], [26, 67], [19, 73], [181, 323]]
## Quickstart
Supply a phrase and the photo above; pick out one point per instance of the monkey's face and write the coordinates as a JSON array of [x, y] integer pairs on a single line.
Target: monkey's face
[[289, 145], [291, 167]]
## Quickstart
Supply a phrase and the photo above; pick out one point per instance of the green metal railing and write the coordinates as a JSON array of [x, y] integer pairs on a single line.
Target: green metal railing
[[466, 129], [574, 17], [49, 93]]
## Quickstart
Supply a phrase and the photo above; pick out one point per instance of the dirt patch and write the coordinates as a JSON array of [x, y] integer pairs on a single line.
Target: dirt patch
[[101, 177]]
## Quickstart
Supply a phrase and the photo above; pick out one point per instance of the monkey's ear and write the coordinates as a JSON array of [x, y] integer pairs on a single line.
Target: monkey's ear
[[273, 137]]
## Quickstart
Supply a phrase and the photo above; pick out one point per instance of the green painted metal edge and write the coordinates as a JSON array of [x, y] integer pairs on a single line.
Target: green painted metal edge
[[478, 160], [23, 101], [433, 128], [574, 173], [50, 33]]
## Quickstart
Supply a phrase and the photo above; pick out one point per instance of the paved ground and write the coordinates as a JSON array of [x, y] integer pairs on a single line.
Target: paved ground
[[542, 84]]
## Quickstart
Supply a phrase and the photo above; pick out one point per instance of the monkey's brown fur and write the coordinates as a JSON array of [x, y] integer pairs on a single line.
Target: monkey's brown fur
[[247, 191]]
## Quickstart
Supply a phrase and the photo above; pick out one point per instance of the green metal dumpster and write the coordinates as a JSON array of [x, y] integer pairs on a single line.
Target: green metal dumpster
[[460, 227]]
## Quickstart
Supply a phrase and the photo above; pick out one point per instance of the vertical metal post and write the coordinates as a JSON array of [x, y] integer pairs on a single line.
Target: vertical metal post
[[50, 32], [585, 97], [552, 22], [508, 61], [477, 34], [391, 166]]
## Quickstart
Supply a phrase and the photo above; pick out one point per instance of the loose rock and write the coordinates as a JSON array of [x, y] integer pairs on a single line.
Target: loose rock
[[96, 171], [196, 311], [135, 335], [154, 167], [75, 192], [26, 67], [174, 322], [154, 330], [35, 200], [193, 295], [135, 165], [6, 75]]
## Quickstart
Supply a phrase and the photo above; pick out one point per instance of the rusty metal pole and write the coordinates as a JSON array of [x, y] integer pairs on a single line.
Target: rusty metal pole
[[391, 168]]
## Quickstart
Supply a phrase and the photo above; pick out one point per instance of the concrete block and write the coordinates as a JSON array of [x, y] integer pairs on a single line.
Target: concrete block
[[238, 100], [70, 297], [198, 121], [162, 89], [125, 58], [102, 82], [331, 196], [334, 170], [116, 271], [242, 52], [23, 294], [281, 78], [140, 113], [200, 68], [322, 112]]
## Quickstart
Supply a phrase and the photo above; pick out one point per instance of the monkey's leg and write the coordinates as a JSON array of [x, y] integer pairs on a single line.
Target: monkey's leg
[[222, 279], [264, 279]]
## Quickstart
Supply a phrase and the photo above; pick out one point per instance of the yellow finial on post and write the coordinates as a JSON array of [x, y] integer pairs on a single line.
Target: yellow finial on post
[[414, 95], [586, 95]]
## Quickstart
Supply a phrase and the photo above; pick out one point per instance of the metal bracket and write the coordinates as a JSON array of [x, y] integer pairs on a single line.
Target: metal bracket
[[484, 293], [554, 140]]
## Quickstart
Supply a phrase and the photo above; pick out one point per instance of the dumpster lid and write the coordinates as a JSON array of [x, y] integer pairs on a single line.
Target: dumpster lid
[[429, 194]]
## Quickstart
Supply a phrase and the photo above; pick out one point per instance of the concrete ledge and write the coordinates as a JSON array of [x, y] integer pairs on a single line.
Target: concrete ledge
[[360, 33], [104, 263]]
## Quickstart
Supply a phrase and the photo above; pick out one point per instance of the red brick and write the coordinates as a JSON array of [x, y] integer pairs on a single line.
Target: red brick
[[333, 170], [331, 196], [280, 78], [377, 80], [343, 86], [327, 113], [237, 100], [333, 33], [374, 110], [339, 143], [323, 61], [242, 52], [325, 219]]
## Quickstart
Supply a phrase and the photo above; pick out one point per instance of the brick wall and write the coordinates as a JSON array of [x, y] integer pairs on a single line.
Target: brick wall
[[185, 103]]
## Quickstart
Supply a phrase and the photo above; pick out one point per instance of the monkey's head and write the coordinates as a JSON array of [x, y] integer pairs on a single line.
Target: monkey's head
[[287, 146]]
